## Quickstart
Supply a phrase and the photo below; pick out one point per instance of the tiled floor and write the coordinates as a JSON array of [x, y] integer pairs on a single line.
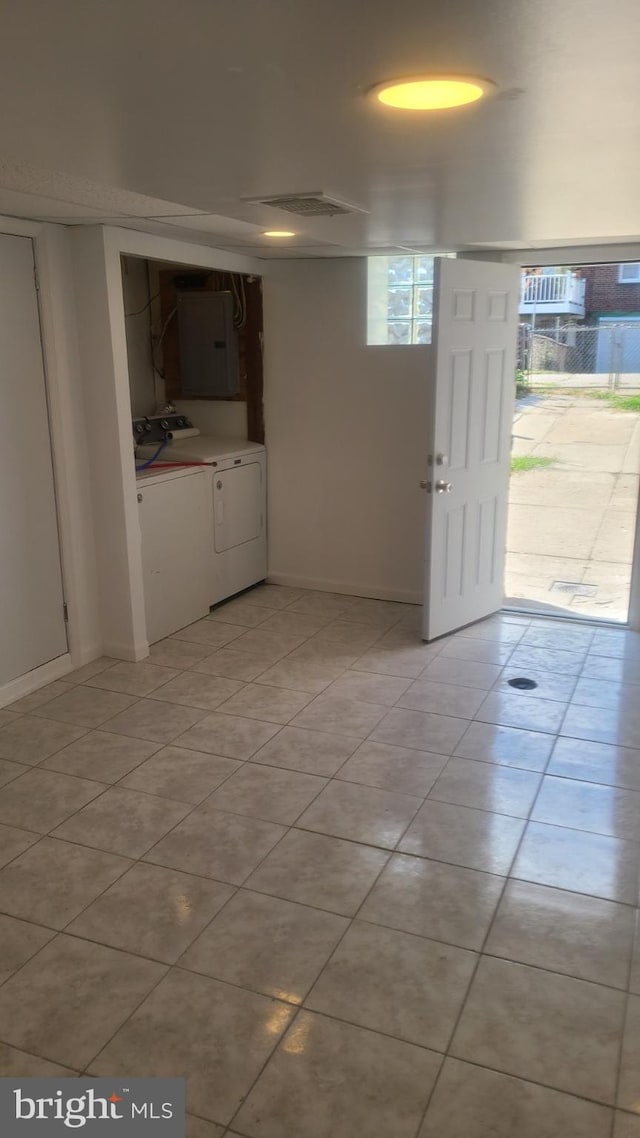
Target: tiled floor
[[350, 885]]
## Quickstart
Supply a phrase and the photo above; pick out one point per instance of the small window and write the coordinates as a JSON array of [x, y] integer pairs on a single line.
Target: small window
[[400, 299], [629, 273]]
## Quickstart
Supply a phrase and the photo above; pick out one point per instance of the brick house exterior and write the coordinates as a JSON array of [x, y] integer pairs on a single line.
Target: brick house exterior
[[605, 295]]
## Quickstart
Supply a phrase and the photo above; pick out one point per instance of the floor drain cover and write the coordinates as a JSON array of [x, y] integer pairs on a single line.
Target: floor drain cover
[[575, 588], [522, 683]]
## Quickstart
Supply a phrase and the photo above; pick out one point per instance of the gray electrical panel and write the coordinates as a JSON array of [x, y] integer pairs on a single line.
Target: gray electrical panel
[[208, 345]]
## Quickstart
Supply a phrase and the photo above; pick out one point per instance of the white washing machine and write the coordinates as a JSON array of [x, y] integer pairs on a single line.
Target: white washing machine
[[238, 537]]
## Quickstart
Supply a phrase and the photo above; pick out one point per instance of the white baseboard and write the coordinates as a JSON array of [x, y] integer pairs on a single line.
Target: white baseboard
[[31, 681], [325, 585]]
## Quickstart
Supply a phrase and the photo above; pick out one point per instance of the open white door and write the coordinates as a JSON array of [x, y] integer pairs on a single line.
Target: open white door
[[474, 342]]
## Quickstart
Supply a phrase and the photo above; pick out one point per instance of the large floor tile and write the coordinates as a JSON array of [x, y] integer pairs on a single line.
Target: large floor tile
[[216, 844], [231, 735], [557, 660], [445, 699], [272, 793], [340, 716], [53, 881], [464, 672], [266, 944], [310, 676], [67, 1002], [564, 932], [316, 752], [294, 623], [233, 664], [372, 688], [216, 1036], [27, 740], [603, 725], [263, 643], [551, 1029], [179, 654], [626, 1125], [360, 813], [596, 762], [443, 902], [317, 870], [91, 669], [40, 800], [329, 1078], [200, 1128], [38, 698], [193, 689], [498, 630], [394, 982], [14, 841], [211, 632], [85, 707], [476, 839], [134, 679], [613, 668], [616, 642], [479, 651], [152, 911], [406, 662], [629, 1088], [271, 704], [18, 1064], [359, 637], [559, 636], [522, 711], [393, 768], [9, 771], [421, 730], [472, 1102], [153, 720], [550, 685], [592, 692], [101, 755], [181, 774], [587, 806], [379, 614], [274, 596], [317, 603], [486, 786], [579, 861], [19, 941], [240, 610], [508, 746], [123, 821]]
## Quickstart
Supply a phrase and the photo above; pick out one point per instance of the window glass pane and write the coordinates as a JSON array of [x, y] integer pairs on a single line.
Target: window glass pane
[[400, 270], [424, 301], [399, 332], [422, 332], [399, 301], [424, 269]]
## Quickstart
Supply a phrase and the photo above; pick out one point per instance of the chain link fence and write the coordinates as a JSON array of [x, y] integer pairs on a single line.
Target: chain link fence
[[604, 355]]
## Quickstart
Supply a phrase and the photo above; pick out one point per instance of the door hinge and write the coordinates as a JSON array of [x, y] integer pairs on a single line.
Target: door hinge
[[65, 611], [36, 278]]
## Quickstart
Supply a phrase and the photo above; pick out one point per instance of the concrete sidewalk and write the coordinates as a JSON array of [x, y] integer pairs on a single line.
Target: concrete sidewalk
[[571, 525]]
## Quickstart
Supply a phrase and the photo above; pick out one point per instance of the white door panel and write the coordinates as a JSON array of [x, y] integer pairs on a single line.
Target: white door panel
[[475, 328], [237, 501], [31, 599]]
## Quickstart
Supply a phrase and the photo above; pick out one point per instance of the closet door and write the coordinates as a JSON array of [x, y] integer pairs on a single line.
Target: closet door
[[32, 625]]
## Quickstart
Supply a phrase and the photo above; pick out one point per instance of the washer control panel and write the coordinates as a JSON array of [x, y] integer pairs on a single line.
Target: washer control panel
[[155, 428]]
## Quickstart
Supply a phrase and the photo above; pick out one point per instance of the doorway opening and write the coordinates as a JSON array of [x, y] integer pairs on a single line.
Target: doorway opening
[[575, 460]]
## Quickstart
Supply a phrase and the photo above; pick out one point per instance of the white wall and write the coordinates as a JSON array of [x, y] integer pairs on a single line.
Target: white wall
[[346, 431]]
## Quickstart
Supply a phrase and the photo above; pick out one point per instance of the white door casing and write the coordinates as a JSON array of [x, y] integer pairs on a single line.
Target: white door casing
[[31, 595], [469, 441]]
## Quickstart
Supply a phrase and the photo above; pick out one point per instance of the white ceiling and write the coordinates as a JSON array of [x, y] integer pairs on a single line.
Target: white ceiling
[[166, 114]]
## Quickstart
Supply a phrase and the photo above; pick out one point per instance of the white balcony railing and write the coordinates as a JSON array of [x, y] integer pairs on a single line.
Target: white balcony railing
[[553, 294]]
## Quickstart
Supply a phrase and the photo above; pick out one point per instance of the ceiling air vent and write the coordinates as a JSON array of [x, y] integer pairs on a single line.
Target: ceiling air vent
[[314, 204]]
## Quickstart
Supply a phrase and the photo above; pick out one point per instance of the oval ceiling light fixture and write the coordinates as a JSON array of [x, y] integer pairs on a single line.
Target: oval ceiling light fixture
[[432, 92], [278, 233]]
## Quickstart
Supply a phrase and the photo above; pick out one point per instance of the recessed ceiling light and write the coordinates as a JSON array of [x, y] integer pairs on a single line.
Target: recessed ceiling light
[[432, 92], [278, 233]]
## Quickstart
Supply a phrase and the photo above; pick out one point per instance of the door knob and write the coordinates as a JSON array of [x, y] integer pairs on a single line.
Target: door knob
[[443, 487]]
